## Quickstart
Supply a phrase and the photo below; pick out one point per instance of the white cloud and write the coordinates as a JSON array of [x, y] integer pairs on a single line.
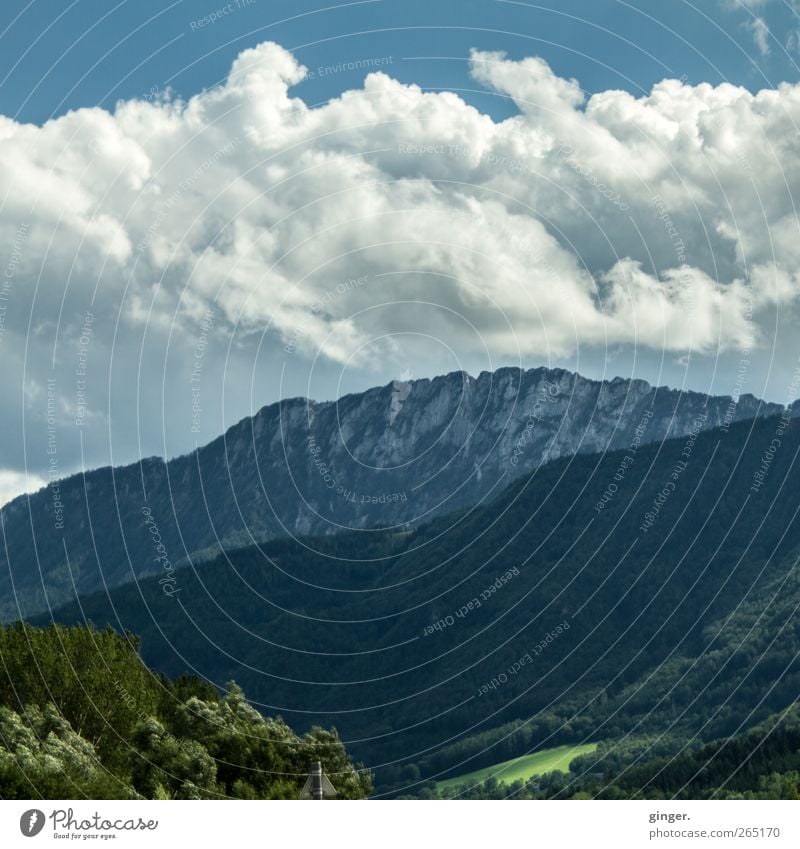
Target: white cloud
[[14, 483], [759, 4], [761, 35], [661, 221]]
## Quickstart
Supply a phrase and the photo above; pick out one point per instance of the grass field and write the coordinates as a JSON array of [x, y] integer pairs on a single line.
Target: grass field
[[548, 760]]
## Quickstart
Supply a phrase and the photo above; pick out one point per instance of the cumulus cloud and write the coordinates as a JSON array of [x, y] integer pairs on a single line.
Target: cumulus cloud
[[665, 221]]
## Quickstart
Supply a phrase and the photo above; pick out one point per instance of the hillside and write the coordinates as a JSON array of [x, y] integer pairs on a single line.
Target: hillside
[[583, 615], [760, 763], [81, 717]]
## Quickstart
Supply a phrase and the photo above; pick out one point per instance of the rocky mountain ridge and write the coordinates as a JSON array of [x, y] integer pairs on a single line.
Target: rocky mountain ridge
[[393, 456]]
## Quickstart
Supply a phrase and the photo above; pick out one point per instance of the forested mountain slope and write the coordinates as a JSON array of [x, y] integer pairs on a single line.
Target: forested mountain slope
[[600, 596]]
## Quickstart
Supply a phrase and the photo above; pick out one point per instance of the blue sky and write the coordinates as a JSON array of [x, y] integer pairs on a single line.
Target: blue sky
[[57, 55]]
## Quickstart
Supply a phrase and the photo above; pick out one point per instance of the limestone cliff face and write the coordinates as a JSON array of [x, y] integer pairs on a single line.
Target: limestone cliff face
[[389, 456], [405, 452]]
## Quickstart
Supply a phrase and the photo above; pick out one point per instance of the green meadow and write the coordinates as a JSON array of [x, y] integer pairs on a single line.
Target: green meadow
[[528, 766]]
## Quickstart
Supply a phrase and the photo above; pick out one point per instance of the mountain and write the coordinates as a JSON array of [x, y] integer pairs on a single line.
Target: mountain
[[389, 457], [604, 595]]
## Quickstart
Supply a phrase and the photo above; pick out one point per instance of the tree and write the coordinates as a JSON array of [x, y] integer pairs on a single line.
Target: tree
[[41, 755]]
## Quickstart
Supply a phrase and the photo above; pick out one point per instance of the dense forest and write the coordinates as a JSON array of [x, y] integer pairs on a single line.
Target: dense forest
[[762, 763], [749, 671], [82, 717], [539, 613]]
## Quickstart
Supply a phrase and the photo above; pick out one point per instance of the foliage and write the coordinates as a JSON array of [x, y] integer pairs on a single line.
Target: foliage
[[82, 717], [41, 755], [762, 763]]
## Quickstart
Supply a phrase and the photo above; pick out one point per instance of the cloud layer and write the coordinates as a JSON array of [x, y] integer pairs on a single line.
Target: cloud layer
[[665, 221]]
